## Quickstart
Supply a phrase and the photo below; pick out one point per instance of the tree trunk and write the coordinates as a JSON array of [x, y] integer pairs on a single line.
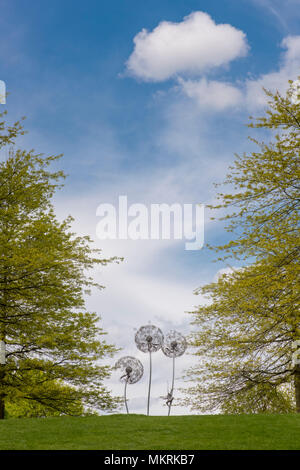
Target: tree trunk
[[2, 396], [2, 408], [297, 388]]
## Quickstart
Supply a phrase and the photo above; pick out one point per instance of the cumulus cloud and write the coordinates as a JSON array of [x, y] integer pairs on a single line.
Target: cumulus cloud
[[218, 96], [214, 95], [195, 45], [292, 43]]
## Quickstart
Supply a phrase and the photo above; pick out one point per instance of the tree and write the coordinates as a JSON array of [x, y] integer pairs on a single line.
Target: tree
[[16, 406], [261, 398], [54, 347], [245, 339], [248, 333]]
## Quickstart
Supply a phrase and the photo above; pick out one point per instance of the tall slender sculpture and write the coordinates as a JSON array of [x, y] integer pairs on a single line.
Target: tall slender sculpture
[[174, 345], [149, 339], [132, 372]]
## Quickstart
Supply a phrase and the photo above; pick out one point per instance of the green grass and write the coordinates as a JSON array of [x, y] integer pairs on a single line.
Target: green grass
[[133, 432]]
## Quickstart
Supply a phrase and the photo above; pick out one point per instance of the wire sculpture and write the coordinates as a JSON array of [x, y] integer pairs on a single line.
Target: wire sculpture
[[149, 339], [133, 369], [174, 345], [169, 398]]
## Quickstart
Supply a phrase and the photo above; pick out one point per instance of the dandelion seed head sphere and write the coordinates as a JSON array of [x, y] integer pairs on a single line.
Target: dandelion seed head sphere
[[133, 369], [149, 338], [174, 344]]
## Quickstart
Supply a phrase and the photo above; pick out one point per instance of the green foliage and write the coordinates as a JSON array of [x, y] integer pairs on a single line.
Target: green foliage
[[55, 347], [263, 398], [245, 334], [265, 188], [23, 405]]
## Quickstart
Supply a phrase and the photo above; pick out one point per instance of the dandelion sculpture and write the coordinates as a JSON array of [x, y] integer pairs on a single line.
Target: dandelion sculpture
[[174, 345], [133, 371], [149, 339]]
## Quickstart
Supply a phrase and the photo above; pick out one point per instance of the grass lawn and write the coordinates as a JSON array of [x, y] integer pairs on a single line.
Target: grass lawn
[[134, 432]]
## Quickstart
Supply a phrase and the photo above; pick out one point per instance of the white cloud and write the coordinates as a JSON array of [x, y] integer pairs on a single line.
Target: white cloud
[[296, 92], [292, 43], [2, 92], [213, 95], [226, 271], [195, 45], [218, 96], [277, 80]]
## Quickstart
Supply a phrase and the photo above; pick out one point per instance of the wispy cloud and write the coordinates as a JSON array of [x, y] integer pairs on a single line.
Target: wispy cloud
[[284, 12], [211, 94]]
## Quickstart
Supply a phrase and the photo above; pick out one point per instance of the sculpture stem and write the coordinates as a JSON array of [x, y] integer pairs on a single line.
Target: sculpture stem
[[150, 377], [172, 388], [125, 399]]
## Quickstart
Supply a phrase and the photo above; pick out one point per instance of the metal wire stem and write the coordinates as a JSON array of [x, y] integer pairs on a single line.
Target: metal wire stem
[[125, 399], [172, 388], [150, 378]]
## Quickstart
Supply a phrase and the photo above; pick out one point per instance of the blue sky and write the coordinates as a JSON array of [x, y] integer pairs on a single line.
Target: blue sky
[[153, 119]]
